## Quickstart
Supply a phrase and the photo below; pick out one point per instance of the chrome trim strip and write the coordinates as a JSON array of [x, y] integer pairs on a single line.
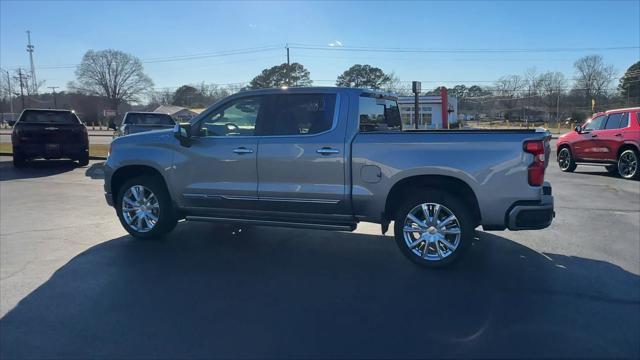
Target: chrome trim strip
[[254, 198]]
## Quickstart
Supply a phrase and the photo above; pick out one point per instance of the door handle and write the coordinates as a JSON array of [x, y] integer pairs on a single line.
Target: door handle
[[242, 150], [617, 135], [594, 135], [327, 151]]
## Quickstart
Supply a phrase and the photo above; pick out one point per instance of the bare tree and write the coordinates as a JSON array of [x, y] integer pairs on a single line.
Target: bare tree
[[161, 97], [114, 74], [552, 87], [593, 76]]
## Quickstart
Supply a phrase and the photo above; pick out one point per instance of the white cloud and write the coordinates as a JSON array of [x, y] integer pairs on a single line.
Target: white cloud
[[253, 26], [335, 43]]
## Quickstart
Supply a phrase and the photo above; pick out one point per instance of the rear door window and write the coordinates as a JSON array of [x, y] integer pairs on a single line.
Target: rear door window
[[613, 122], [300, 114], [379, 114], [49, 117]]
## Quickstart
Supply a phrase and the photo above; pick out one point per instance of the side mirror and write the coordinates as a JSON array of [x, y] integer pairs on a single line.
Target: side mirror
[[113, 126], [182, 132], [578, 129]]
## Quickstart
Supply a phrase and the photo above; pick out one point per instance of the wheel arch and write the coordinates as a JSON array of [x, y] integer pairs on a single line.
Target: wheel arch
[[121, 175], [625, 147], [455, 186]]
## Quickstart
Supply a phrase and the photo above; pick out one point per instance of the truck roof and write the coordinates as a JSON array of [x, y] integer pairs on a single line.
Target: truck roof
[[307, 89]]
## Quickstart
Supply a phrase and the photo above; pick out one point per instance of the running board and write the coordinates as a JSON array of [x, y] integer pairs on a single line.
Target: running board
[[300, 225]]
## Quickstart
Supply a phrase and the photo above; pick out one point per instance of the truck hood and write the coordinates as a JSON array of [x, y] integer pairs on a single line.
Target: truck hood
[[144, 137]]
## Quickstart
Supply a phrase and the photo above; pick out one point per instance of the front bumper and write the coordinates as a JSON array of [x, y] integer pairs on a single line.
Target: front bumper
[[532, 215]]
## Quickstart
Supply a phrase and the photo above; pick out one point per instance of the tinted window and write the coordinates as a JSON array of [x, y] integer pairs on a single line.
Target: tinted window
[[49, 117], [149, 119], [595, 124], [624, 121], [379, 114], [236, 118], [300, 114]]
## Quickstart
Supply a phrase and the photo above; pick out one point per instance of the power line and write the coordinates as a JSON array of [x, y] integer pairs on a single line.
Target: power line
[[316, 47], [456, 50]]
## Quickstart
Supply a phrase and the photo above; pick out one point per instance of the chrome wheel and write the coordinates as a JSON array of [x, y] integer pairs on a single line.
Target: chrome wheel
[[628, 164], [564, 159], [140, 208], [432, 231]]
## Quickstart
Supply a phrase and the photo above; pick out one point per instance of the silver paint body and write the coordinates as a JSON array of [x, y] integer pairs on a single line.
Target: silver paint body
[[296, 174]]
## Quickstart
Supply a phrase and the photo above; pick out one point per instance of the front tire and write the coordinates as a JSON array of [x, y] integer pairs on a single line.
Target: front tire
[[433, 229], [565, 160], [628, 165], [145, 209]]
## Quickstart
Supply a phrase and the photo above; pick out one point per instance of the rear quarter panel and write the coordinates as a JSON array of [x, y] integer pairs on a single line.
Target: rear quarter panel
[[494, 165]]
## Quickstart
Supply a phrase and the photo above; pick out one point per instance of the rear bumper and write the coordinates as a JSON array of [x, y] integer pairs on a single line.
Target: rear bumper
[[528, 215], [52, 152]]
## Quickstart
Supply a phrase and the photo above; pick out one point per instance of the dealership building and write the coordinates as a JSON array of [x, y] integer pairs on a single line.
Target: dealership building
[[431, 110]]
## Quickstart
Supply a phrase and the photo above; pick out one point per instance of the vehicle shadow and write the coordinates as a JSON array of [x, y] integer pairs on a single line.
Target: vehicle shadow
[[274, 293], [35, 169], [95, 171]]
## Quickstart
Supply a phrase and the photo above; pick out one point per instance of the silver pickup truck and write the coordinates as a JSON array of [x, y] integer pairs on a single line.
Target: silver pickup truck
[[328, 158]]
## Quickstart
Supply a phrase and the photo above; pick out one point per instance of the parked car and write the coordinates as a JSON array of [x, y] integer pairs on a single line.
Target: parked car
[[136, 121], [49, 134], [328, 158], [610, 138]]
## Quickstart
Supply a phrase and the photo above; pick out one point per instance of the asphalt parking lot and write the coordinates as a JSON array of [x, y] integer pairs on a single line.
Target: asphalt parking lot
[[74, 285]]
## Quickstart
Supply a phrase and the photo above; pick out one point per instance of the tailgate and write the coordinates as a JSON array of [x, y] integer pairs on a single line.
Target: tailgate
[[51, 133]]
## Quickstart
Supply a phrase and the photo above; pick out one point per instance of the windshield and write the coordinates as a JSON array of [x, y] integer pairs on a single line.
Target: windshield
[[49, 117], [149, 119]]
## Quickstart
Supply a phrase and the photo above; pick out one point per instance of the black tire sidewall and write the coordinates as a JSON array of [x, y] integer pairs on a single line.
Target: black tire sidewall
[[167, 219], [636, 175], [572, 163], [460, 210], [18, 159]]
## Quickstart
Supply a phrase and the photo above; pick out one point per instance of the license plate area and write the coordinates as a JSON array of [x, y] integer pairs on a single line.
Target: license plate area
[[52, 148]]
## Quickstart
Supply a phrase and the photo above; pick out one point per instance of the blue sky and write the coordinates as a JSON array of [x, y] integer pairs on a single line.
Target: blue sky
[[63, 31]]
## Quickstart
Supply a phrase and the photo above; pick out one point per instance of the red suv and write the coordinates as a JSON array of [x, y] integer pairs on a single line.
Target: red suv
[[610, 138]]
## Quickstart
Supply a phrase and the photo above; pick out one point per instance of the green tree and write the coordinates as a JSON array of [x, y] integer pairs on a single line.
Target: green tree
[[630, 84], [363, 76], [114, 74], [282, 75], [187, 95]]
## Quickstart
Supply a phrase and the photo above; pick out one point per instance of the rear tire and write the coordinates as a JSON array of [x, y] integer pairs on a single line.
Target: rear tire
[[149, 214], [83, 160], [18, 159], [628, 166], [565, 160], [442, 237]]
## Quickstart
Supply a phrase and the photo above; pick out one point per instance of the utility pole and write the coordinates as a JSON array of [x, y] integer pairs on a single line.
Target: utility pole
[[558, 110], [34, 83], [286, 46], [55, 102], [21, 78], [416, 87]]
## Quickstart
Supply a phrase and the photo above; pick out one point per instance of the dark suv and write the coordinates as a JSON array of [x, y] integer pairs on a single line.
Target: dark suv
[[49, 134]]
